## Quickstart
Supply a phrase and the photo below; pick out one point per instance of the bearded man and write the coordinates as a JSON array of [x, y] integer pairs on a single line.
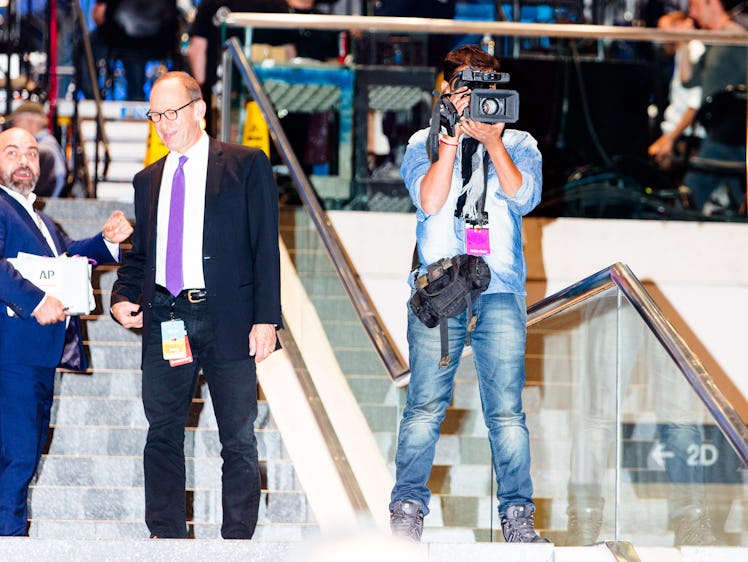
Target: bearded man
[[35, 328]]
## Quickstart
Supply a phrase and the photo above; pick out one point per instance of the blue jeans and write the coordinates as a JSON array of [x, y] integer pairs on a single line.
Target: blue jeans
[[499, 351]]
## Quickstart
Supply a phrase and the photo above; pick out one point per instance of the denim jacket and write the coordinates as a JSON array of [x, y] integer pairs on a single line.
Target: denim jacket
[[443, 235]]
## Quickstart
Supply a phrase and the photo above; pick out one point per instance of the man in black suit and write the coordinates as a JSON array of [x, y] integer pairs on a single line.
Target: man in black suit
[[221, 312]]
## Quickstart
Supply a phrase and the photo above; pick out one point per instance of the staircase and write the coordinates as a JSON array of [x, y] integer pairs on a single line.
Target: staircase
[[90, 484], [127, 130]]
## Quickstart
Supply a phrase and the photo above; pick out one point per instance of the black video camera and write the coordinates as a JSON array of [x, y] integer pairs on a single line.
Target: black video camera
[[489, 105], [486, 105]]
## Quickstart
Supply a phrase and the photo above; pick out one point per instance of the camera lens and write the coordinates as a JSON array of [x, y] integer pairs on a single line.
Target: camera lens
[[492, 106]]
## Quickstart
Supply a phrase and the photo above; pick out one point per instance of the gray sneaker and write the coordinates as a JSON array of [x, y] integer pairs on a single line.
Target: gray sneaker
[[518, 524], [406, 519]]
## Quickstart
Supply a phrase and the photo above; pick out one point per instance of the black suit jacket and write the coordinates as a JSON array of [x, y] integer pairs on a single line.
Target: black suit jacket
[[241, 261]]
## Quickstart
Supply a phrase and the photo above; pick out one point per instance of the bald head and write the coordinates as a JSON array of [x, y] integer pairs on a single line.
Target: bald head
[[178, 94], [19, 160]]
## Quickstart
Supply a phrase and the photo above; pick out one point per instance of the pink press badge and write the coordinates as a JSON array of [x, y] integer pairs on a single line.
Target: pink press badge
[[477, 241]]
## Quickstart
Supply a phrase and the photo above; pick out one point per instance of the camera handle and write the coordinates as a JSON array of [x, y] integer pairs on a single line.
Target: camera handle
[[444, 115]]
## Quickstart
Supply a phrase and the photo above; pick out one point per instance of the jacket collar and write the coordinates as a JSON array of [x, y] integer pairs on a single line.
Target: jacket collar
[[216, 167], [29, 221]]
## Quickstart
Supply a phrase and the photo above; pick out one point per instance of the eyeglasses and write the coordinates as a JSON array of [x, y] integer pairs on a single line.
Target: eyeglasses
[[170, 114]]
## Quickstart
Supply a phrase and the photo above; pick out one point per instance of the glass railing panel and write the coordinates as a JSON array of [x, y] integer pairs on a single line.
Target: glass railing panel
[[681, 481], [573, 374], [623, 447]]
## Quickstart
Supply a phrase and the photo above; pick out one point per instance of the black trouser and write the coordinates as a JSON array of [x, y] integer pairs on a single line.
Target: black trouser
[[167, 395]]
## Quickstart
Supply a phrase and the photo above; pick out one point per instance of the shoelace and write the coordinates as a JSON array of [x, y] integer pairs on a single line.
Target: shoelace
[[522, 528], [405, 523]]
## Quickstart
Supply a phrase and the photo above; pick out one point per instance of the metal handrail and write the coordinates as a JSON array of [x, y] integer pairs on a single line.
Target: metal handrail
[[503, 28], [688, 363], [362, 302], [337, 451]]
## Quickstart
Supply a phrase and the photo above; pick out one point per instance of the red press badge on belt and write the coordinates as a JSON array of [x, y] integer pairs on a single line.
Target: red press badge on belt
[[188, 355], [476, 241]]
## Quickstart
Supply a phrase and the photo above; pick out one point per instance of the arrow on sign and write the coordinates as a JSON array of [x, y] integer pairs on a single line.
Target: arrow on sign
[[660, 453]]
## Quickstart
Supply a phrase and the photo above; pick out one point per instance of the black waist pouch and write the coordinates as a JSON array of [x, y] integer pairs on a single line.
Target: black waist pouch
[[447, 289]]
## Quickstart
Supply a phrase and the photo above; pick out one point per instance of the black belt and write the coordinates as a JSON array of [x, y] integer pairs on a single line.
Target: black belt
[[193, 296]]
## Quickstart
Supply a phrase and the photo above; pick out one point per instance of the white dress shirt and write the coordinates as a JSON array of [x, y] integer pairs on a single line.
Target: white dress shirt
[[195, 177]]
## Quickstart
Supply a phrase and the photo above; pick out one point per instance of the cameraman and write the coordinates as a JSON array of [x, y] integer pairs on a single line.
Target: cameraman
[[448, 195]]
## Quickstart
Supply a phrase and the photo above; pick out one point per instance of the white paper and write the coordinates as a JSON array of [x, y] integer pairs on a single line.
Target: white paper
[[64, 277]]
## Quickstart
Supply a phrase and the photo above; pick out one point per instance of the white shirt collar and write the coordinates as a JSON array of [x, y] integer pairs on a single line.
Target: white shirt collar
[[27, 202], [201, 146]]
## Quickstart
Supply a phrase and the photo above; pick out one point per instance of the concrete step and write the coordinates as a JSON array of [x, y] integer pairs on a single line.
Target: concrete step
[[87, 211], [359, 361], [103, 328], [322, 283], [102, 304], [87, 440], [281, 536], [128, 412], [118, 171], [114, 354], [119, 191], [120, 131], [352, 347], [336, 306], [111, 110], [374, 389], [103, 277], [102, 471], [127, 504], [112, 383], [439, 546], [308, 261], [458, 449], [128, 150], [348, 333], [552, 424], [99, 412], [381, 418], [366, 545]]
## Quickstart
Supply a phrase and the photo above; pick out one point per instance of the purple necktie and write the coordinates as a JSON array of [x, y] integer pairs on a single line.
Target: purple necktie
[[174, 277]]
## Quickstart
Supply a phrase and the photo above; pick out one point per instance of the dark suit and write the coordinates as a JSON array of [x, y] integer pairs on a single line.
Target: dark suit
[[241, 268], [29, 354]]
